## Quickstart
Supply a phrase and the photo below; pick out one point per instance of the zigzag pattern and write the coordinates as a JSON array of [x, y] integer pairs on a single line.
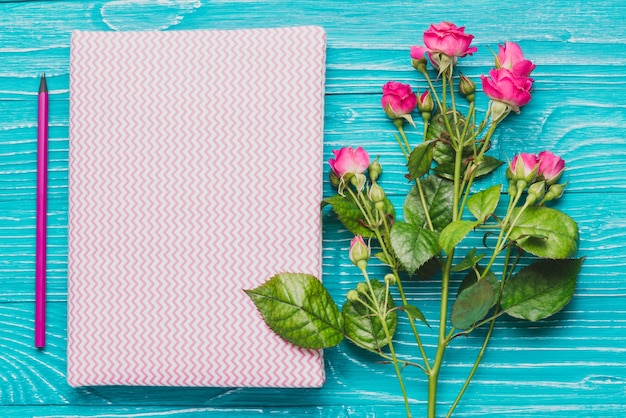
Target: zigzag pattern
[[195, 172]]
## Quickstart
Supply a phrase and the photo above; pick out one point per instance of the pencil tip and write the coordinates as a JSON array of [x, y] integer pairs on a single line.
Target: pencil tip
[[43, 86]]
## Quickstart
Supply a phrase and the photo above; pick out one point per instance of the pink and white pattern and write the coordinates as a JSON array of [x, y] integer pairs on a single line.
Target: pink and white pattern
[[195, 172]]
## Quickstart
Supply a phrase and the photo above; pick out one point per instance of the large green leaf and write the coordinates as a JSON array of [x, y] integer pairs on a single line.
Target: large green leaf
[[413, 245], [541, 289], [362, 326], [438, 194], [454, 233], [351, 216], [420, 160], [484, 203], [545, 232], [298, 307], [472, 304]]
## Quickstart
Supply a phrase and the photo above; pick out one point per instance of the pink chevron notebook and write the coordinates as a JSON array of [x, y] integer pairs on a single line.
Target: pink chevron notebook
[[195, 172]]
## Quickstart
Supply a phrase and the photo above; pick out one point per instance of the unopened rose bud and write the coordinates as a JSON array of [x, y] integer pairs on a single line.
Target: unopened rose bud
[[375, 169], [535, 192], [467, 88], [425, 102], [418, 58], [361, 288], [523, 168], [390, 279], [376, 194], [537, 189], [554, 192], [353, 296], [359, 252]]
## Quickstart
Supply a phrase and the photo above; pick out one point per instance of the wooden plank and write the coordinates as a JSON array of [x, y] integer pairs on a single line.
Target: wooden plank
[[570, 365]]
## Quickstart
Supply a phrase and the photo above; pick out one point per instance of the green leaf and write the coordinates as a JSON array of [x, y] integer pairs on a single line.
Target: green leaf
[[443, 153], [454, 233], [545, 232], [413, 245], [361, 325], [487, 165], [429, 268], [297, 307], [468, 261], [470, 279], [382, 257], [438, 194], [484, 203], [420, 160], [415, 313], [445, 170], [351, 216], [437, 130], [472, 304], [541, 289]]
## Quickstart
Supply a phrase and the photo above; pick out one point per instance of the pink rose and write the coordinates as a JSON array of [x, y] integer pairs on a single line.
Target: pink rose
[[511, 57], [550, 167], [349, 160], [398, 99], [504, 86], [523, 167], [448, 39]]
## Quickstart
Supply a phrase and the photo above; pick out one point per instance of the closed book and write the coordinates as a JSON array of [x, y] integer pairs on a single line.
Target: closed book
[[195, 173]]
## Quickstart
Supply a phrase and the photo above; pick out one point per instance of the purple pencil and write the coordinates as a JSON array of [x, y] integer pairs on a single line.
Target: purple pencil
[[42, 186]]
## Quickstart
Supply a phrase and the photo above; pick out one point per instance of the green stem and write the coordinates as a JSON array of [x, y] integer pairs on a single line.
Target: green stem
[[474, 368], [512, 203], [406, 155], [425, 136], [441, 103], [388, 336], [442, 342], [458, 161], [465, 187], [420, 190], [388, 257], [454, 113], [383, 355], [481, 353], [400, 125]]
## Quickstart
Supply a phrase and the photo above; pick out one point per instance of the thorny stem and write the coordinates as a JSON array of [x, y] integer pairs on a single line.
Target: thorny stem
[[382, 317], [512, 203], [394, 270], [442, 341], [492, 324], [465, 187], [399, 124]]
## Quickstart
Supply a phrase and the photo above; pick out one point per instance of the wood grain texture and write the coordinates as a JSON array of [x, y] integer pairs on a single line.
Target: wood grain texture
[[573, 364]]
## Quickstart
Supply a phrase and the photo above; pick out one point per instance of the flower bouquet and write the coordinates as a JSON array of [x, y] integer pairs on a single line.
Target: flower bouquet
[[441, 210]]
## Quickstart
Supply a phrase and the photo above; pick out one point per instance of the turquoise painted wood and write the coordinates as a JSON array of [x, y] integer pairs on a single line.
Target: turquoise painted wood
[[573, 364]]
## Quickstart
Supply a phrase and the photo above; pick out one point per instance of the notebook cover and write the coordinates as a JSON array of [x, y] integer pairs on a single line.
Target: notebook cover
[[195, 172]]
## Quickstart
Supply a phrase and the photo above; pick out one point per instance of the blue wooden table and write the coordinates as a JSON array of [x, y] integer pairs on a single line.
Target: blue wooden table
[[572, 364]]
